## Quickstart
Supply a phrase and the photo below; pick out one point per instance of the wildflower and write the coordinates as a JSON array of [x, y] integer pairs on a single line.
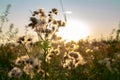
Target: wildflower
[[50, 15], [50, 12], [48, 31], [41, 71], [29, 39], [24, 39], [75, 55], [21, 39], [33, 22], [50, 20], [21, 60], [48, 58], [72, 60], [34, 62], [15, 72], [18, 61], [78, 58], [69, 64], [55, 11], [28, 69], [55, 51], [41, 10], [43, 14], [61, 23], [54, 22], [41, 26], [35, 13], [45, 26]]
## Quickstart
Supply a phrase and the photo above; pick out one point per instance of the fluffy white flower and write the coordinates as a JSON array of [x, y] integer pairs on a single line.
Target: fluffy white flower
[[15, 72]]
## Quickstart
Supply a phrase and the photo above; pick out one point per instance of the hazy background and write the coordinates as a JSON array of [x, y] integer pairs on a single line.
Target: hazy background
[[101, 16]]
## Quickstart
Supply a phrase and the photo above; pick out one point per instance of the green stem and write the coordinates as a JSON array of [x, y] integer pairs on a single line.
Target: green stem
[[45, 64]]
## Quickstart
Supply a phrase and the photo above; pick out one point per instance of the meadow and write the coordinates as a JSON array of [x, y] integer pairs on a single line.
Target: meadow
[[51, 58]]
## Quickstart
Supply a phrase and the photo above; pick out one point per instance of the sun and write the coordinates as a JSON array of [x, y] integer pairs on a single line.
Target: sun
[[74, 30]]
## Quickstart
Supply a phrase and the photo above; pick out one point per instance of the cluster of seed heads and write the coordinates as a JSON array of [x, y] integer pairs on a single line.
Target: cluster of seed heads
[[45, 24]]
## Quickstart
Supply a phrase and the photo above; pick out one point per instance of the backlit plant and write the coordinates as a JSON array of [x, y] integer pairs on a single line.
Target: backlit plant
[[45, 25]]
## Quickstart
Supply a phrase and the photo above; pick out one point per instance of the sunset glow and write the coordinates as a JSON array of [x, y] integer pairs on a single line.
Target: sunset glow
[[74, 30]]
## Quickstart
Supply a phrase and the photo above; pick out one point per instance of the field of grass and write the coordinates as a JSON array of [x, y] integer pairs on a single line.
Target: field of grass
[[51, 58], [82, 60]]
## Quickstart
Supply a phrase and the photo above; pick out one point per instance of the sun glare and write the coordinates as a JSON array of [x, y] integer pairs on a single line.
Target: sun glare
[[74, 30]]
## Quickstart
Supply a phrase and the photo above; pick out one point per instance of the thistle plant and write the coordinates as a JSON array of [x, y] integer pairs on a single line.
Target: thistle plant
[[45, 25]]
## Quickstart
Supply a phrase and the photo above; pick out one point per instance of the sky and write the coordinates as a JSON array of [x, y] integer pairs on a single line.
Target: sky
[[101, 16]]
